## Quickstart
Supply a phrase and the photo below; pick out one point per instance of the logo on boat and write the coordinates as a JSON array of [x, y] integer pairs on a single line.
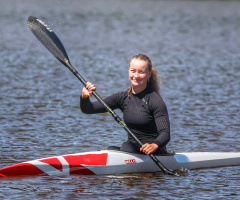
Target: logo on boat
[[131, 161]]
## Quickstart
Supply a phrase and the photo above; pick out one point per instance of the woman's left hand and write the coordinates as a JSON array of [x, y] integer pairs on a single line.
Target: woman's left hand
[[149, 148]]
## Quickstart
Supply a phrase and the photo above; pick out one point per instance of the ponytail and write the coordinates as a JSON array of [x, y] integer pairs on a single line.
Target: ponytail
[[154, 82]]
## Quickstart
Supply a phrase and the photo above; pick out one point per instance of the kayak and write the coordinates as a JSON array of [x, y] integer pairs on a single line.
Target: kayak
[[117, 162]]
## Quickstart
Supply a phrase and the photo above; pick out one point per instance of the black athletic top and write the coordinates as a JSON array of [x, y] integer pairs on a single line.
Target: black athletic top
[[144, 113]]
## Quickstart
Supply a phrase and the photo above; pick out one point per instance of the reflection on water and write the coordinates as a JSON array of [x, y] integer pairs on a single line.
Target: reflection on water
[[195, 47]]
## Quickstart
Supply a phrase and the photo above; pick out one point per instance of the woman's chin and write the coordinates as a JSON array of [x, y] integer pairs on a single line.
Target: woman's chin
[[135, 83], [138, 85]]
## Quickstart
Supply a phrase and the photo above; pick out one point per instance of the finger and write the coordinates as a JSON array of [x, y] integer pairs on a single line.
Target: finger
[[145, 151], [145, 146], [87, 84], [90, 86], [148, 150]]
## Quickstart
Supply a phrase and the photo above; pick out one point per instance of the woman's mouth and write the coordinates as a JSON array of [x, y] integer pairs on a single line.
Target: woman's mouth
[[136, 81]]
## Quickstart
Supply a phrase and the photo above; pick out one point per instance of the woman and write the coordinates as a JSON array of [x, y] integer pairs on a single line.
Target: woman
[[144, 111]]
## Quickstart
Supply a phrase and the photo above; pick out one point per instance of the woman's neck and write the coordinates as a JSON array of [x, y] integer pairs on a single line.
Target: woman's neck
[[136, 90]]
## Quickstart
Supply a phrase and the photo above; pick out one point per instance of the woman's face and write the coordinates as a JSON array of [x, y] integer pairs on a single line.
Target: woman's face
[[138, 73]]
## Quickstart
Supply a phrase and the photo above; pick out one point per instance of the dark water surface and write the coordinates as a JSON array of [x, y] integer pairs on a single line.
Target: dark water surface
[[195, 46]]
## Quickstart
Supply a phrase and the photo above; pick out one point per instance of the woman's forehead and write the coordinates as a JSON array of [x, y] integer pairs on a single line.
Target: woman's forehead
[[138, 63]]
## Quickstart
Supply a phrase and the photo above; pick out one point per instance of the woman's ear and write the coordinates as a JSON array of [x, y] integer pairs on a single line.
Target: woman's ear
[[150, 73]]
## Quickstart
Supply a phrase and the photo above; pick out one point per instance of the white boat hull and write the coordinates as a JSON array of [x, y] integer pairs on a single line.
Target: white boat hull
[[118, 162]]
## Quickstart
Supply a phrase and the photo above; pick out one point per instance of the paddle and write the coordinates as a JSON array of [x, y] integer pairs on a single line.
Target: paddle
[[49, 39]]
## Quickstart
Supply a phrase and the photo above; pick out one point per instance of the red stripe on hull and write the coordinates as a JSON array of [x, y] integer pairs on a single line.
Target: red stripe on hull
[[76, 162], [87, 159], [21, 170]]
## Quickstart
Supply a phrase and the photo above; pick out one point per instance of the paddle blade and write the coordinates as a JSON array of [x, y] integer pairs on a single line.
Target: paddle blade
[[48, 38]]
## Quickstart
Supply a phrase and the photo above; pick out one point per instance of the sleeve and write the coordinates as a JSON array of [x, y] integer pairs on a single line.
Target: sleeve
[[160, 114], [89, 107]]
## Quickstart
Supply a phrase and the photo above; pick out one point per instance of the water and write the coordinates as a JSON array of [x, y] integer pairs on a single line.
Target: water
[[195, 47]]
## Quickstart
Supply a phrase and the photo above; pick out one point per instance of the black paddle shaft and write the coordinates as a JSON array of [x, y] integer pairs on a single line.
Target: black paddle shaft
[[50, 40]]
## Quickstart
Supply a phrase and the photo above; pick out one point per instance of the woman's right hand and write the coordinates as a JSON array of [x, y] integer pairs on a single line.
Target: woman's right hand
[[87, 90]]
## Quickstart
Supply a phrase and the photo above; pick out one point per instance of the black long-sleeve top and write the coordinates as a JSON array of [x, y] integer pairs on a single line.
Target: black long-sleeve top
[[144, 113]]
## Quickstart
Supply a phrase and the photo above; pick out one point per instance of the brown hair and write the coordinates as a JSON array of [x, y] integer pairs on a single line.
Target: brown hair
[[153, 81]]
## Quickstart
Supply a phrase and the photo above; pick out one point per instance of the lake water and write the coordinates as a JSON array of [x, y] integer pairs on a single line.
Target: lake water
[[195, 46]]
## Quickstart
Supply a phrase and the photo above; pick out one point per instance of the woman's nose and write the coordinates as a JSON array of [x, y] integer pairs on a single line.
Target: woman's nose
[[136, 74]]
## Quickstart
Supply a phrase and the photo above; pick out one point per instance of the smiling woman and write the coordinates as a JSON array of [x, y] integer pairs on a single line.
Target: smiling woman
[[141, 65], [138, 75], [144, 111]]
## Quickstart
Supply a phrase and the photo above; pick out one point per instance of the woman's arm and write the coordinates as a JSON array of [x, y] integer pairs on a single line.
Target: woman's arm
[[86, 105], [163, 128], [160, 114], [89, 107]]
